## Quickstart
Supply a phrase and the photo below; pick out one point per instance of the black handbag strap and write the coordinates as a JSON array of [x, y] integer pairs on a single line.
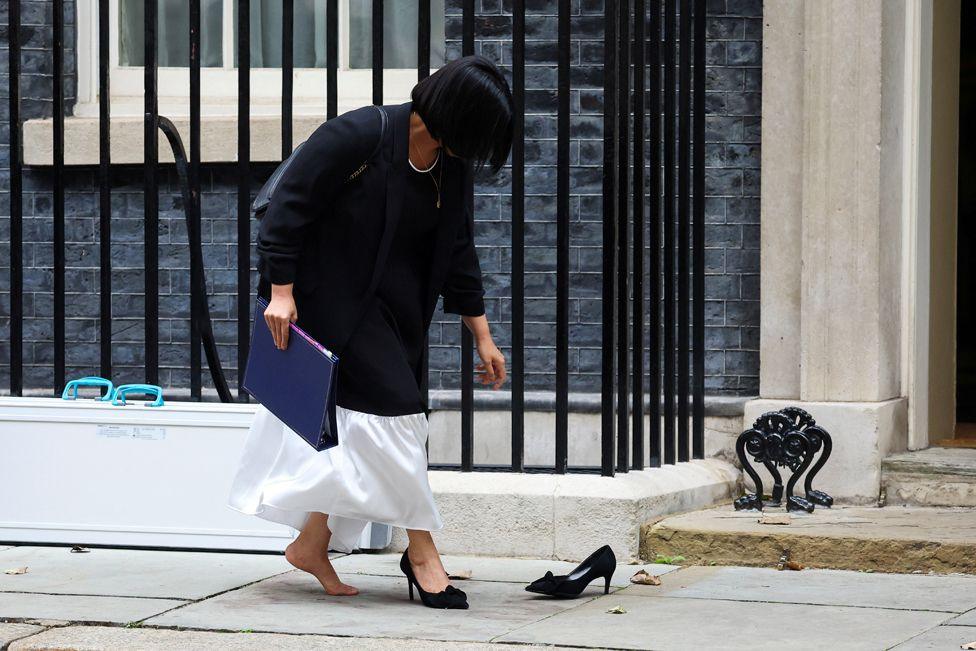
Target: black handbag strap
[[379, 144], [263, 198], [377, 272]]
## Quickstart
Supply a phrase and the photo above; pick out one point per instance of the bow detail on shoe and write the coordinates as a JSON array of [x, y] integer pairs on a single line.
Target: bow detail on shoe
[[549, 578], [547, 583], [449, 597]]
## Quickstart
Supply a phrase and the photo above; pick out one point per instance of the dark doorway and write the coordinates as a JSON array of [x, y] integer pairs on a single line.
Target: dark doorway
[[965, 264]]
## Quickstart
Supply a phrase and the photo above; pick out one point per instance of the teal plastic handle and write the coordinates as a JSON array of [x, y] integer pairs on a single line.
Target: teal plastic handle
[[71, 389], [148, 389]]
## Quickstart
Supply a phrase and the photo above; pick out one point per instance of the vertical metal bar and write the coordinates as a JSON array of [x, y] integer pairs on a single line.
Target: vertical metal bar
[[684, 192], [467, 28], [654, 243], [423, 39], [467, 401], [196, 388], [243, 192], [377, 51], [698, 241], [518, 240], [423, 71], [467, 342], [58, 199], [16, 202], [104, 194], [637, 332], [609, 301], [670, 11], [287, 74], [623, 238], [151, 194], [425, 372], [331, 58], [562, 238]]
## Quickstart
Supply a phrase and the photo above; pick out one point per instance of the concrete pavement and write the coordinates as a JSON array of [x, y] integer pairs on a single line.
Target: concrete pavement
[[153, 600]]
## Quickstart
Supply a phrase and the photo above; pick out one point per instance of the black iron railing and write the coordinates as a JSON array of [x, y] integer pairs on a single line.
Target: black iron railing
[[664, 46]]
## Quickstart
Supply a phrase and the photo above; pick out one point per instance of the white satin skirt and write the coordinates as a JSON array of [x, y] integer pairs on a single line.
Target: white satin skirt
[[377, 473]]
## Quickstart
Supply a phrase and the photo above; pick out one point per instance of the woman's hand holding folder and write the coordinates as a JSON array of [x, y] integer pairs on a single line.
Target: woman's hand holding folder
[[280, 313]]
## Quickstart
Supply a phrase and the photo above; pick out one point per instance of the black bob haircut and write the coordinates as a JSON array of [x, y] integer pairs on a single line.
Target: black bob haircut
[[468, 106]]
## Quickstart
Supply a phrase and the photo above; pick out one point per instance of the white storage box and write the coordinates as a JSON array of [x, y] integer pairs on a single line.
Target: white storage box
[[89, 473]]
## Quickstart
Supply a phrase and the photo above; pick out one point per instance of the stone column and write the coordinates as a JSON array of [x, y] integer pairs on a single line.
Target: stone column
[[849, 302], [831, 227], [782, 199]]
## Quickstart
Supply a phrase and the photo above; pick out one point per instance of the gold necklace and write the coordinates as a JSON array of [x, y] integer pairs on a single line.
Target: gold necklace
[[440, 173]]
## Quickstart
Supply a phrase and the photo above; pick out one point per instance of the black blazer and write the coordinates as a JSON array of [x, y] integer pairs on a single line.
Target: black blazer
[[329, 236]]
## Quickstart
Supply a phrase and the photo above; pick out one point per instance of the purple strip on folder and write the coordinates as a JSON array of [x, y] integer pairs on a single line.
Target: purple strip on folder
[[309, 339]]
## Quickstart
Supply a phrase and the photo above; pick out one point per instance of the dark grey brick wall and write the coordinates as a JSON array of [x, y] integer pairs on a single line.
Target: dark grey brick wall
[[732, 232], [733, 103]]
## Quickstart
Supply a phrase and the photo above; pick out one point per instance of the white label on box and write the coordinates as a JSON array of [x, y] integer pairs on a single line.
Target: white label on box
[[142, 432]]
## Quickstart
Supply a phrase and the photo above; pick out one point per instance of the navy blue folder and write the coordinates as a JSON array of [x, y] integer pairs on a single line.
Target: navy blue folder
[[298, 384]]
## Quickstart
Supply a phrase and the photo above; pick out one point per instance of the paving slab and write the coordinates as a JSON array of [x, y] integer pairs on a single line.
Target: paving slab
[[667, 623], [80, 608], [134, 573], [11, 632], [890, 539], [486, 568], [940, 637], [99, 638], [295, 603], [949, 594], [966, 619]]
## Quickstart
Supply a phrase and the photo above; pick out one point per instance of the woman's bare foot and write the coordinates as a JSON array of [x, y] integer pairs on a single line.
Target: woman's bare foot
[[310, 553], [318, 564]]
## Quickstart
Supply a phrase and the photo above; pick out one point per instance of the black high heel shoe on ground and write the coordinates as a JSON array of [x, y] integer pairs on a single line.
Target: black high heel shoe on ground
[[450, 597], [600, 563]]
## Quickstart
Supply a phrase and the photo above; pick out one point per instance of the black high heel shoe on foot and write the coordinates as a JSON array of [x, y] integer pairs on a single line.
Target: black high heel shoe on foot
[[600, 563], [450, 597]]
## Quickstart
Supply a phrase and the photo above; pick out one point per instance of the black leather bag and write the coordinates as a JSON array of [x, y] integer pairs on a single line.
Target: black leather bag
[[263, 198]]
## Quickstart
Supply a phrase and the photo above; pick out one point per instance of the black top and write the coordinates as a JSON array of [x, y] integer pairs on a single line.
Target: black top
[[381, 370], [404, 286]]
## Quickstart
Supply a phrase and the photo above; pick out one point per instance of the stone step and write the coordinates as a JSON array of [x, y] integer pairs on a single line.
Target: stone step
[[542, 515], [931, 477], [889, 539]]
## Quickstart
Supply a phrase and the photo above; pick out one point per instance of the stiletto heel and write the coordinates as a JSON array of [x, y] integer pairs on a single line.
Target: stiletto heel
[[450, 597], [602, 562]]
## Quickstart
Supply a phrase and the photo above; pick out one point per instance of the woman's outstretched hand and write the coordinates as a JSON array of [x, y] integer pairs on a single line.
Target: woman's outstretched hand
[[281, 312], [491, 370]]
